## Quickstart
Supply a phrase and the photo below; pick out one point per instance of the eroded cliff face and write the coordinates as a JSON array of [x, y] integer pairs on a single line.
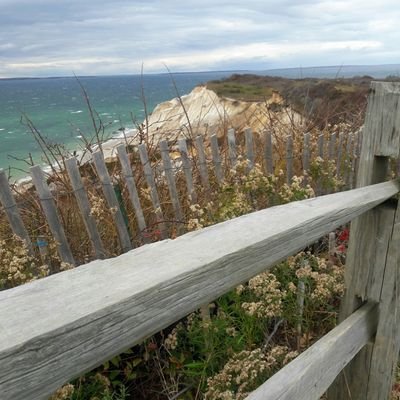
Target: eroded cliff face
[[203, 112]]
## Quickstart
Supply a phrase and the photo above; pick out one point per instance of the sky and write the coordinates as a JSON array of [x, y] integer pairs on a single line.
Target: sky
[[102, 37]]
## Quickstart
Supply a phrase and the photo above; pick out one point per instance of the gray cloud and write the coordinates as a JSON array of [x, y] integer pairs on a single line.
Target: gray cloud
[[44, 37]]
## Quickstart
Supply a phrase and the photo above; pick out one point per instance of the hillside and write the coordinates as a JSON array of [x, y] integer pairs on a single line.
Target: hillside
[[322, 101]]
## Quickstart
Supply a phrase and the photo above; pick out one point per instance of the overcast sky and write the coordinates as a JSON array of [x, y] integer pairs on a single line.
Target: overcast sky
[[92, 37]]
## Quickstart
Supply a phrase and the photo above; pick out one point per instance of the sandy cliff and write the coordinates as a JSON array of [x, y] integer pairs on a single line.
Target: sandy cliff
[[203, 112]]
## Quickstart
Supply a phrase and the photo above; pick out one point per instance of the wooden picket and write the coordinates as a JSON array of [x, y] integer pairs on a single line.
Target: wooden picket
[[84, 207]]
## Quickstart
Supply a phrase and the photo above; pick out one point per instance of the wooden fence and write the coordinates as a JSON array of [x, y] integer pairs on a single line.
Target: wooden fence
[[71, 322], [199, 164]]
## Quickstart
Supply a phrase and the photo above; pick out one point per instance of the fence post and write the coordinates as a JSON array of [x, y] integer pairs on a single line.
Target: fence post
[[332, 146], [321, 146], [169, 174], [249, 147], [216, 158], [84, 207], [155, 199], [187, 169], [348, 160], [202, 162], [373, 256], [339, 156], [133, 193], [109, 194], [269, 162], [289, 160], [12, 212], [232, 148], [50, 211], [306, 157]]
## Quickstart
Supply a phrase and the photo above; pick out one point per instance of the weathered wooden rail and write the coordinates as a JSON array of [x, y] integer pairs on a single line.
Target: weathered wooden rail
[[56, 328]]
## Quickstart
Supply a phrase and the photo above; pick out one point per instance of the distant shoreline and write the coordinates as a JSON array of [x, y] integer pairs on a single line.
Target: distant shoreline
[[273, 71]]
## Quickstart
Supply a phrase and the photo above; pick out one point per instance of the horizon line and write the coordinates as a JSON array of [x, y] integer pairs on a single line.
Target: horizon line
[[201, 72]]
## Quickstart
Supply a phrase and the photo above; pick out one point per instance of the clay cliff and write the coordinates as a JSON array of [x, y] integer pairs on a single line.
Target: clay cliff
[[203, 112]]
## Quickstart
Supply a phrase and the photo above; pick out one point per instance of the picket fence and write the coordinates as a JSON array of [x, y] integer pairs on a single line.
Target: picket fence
[[196, 159]]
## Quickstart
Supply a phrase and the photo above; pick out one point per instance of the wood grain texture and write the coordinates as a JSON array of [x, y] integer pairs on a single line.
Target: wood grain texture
[[50, 212], [309, 375], [383, 118], [112, 201], [84, 207], [73, 321], [11, 210], [127, 172], [386, 346]]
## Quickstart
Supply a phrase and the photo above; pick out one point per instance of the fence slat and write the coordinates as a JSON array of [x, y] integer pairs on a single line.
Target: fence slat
[[248, 135], [348, 159], [84, 207], [289, 159], [187, 169], [216, 158], [232, 148], [202, 162], [149, 175], [309, 375], [12, 212], [359, 139], [50, 212], [269, 161], [331, 147], [354, 162], [112, 201], [132, 190], [105, 307], [170, 175], [339, 156], [321, 146], [306, 157]]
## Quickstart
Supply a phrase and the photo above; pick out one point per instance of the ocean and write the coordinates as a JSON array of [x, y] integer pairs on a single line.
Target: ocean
[[57, 107]]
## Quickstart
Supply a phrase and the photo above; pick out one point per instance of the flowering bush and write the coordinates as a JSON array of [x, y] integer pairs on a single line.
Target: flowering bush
[[17, 266]]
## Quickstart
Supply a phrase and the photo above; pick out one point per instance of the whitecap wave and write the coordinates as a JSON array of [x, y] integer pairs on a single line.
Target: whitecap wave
[[76, 112]]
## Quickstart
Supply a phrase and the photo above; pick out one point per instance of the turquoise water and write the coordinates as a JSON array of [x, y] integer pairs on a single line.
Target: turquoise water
[[57, 108]]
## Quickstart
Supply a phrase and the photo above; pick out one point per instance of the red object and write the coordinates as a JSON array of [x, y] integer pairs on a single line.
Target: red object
[[344, 235]]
